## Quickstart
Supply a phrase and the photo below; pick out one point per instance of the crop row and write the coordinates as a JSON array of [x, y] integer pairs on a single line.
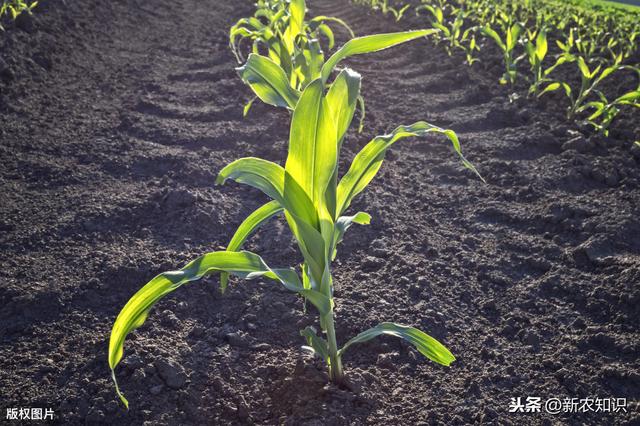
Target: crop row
[[553, 45]]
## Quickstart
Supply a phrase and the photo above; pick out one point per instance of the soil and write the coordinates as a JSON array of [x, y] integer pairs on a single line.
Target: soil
[[116, 117]]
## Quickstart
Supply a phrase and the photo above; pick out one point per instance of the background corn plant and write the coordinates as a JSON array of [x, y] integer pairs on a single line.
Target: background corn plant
[[279, 30], [551, 34], [13, 9]]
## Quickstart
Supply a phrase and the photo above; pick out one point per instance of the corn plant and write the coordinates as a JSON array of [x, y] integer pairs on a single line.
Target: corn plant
[[314, 203], [453, 32], [605, 111], [536, 52], [289, 40], [590, 79], [578, 45], [507, 45], [260, 72], [398, 13], [13, 8]]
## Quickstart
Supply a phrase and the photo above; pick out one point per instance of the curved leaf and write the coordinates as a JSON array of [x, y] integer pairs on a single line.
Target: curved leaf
[[264, 175], [243, 264], [490, 32], [317, 344], [248, 227], [367, 44], [268, 81], [426, 345], [275, 182], [343, 223], [367, 162], [323, 18]]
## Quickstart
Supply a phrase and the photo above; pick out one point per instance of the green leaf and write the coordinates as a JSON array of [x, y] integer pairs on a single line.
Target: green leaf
[[243, 264], [490, 32], [248, 227], [316, 343], [555, 86], [599, 109], [264, 175], [312, 143], [426, 345], [342, 99], [368, 44], [326, 30], [271, 179], [248, 105], [323, 18], [367, 162], [297, 10], [268, 81], [584, 69], [513, 36], [343, 223], [629, 97], [541, 45]]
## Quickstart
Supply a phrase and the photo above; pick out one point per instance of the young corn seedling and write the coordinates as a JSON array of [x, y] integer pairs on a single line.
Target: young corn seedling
[[590, 80], [536, 52], [315, 205], [453, 33], [604, 111], [271, 84], [287, 38], [507, 45], [398, 13], [14, 8]]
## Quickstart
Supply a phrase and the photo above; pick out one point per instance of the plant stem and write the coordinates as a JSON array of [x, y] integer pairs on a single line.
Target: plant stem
[[336, 374]]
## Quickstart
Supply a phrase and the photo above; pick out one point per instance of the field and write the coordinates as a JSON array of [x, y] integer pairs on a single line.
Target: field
[[116, 118]]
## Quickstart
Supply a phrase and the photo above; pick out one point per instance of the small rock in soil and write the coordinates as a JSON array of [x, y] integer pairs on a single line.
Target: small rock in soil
[[371, 264], [169, 319], [596, 249], [388, 360], [532, 339], [238, 339], [179, 198], [172, 373]]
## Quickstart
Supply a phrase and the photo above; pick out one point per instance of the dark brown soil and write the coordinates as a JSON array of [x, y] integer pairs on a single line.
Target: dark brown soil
[[116, 117]]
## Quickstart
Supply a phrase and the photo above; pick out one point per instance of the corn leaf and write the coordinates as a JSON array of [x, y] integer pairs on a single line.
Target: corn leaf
[[343, 223], [243, 264], [268, 81], [541, 45], [584, 69], [368, 44], [487, 30], [367, 162], [317, 344], [342, 98], [323, 18], [513, 36], [271, 179], [312, 145], [426, 345], [248, 227]]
